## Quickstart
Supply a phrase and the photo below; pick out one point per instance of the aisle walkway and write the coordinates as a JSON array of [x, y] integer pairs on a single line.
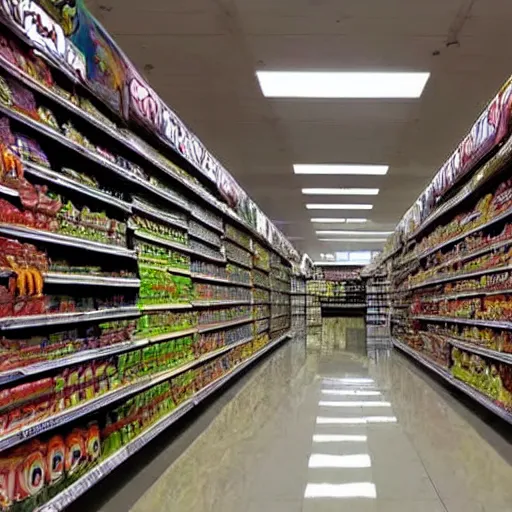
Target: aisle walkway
[[325, 428]]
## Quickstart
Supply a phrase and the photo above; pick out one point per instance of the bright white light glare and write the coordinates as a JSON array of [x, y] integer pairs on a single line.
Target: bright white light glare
[[381, 419], [341, 191], [354, 490], [338, 264], [332, 220], [350, 392], [355, 233], [350, 380], [324, 403], [319, 460], [334, 206], [339, 438], [329, 84], [321, 420], [355, 240], [341, 169]]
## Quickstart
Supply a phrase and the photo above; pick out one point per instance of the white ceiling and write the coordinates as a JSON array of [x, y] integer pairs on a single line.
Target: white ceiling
[[201, 57]]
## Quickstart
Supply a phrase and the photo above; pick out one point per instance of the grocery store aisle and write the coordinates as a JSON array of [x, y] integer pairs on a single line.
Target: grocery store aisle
[[326, 427]]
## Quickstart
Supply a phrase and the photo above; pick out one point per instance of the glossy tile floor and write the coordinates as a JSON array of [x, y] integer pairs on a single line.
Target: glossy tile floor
[[335, 424]]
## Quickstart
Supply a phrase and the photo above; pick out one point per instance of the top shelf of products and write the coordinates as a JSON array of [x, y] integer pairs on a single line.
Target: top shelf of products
[[126, 93]]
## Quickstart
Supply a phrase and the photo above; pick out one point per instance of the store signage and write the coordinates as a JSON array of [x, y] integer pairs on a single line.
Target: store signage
[[488, 131], [45, 33]]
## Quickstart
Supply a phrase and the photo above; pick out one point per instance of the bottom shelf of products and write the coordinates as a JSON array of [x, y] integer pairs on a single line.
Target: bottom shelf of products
[[448, 377], [49, 473]]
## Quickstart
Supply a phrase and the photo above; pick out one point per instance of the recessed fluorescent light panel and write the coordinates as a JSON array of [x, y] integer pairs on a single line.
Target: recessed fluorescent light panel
[[341, 169], [332, 220], [356, 233], [328, 84], [319, 460], [328, 220], [329, 206], [341, 191], [353, 490], [355, 240], [339, 438]]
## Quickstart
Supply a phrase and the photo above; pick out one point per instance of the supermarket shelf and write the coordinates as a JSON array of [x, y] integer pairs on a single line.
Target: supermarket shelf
[[121, 137], [468, 293], [60, 179], [91, 155], [142, 207], [73, 413], [238, 283], [469, 321], [207, 257], [211, 225], [470, 188], [68, 241], [90, 280], [495, 220], [221, 325], [202, 277], [478, 252], [87, 355], [458, 277], [239, 263], [237, 243], [449, 378], [209, 303], [199, 237], [73, 492], [6, 191], [258, 267], [162, 241], [475, 349], [164, 307], [22, 322], [262, 286]]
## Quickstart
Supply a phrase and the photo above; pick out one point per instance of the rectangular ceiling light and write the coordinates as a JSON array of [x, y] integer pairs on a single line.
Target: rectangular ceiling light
[[328, 220], [355, 233], [325, 206], [339, 438], [356, 221], [329, 84], [341, 169], [358, 240], [341, 191], [338, 264], [320, 460], [352, 490]]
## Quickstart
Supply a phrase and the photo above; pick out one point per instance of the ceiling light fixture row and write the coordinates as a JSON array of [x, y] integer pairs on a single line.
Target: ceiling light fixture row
[[333, 206], [341, 191], [349, 85], [341, 169], [338, 221]]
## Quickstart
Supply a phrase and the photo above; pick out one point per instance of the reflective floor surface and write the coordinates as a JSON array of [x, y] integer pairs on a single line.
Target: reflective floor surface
[[332, 424]]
